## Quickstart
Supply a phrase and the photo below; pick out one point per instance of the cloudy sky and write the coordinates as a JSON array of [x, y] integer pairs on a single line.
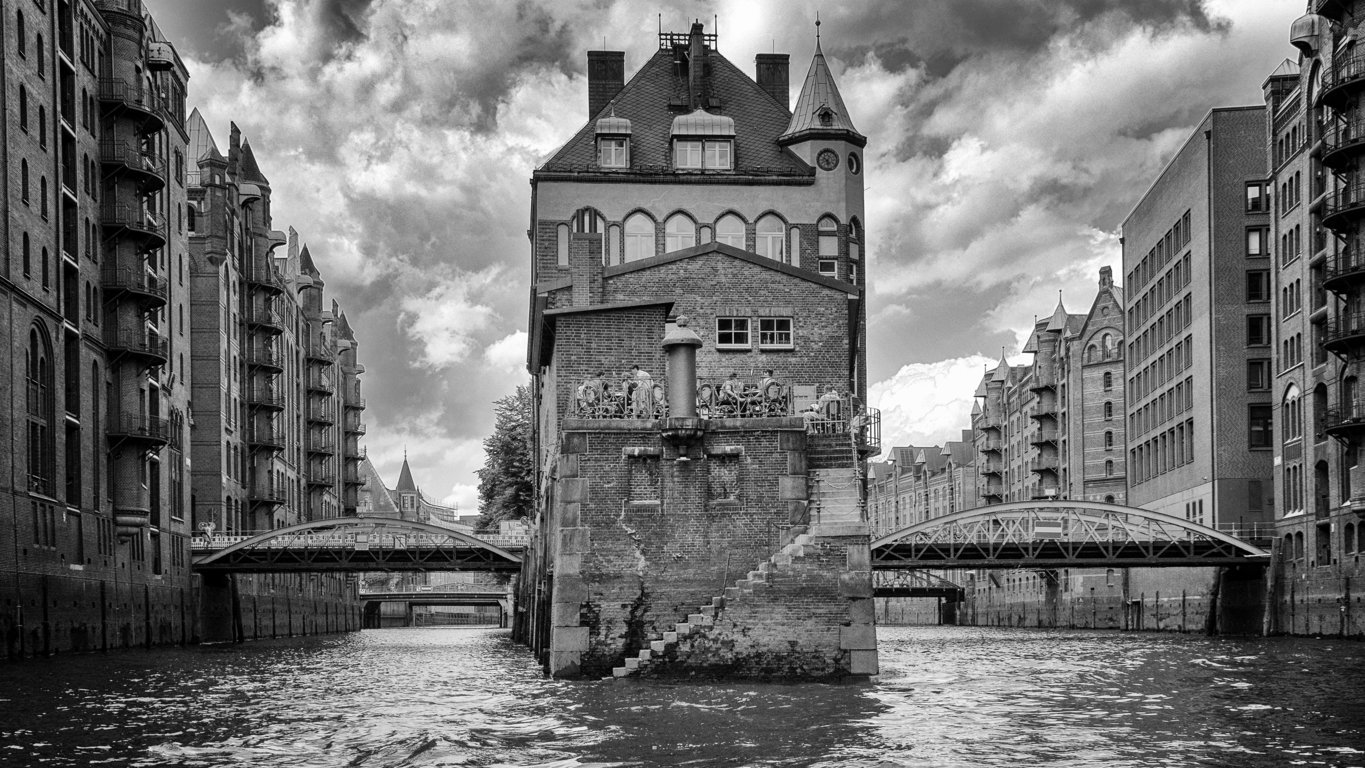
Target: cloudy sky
[[1007, 140]]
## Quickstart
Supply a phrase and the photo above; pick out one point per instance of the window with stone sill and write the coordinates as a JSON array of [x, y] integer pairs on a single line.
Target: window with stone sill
[[732, 333], [829, 267], [775, 333], [613, 152]]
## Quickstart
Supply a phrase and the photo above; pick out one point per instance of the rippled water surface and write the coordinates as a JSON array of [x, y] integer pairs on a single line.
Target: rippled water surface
[[467, 697]]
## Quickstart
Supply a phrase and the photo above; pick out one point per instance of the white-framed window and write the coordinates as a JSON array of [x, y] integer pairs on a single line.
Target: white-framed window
[[639, 237], [775, 333], [679, 232], [829, 267], [730, 231], [853, 272], [855, 239], [613, 152], [770, 238], [709, 154], [562, 245], [732, 333], [829, 237]]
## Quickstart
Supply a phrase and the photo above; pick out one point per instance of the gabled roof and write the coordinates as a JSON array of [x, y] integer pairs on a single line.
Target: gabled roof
[[1032, 344], [251, 171], [201, 142], [738, 253], [306, 263], [644, 101], [820, 110], [1002, 370], [1059, 317]]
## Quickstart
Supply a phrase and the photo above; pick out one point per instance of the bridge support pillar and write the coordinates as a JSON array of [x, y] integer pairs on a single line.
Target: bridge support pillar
[[219, 609], [1239, 606], [947, 610]]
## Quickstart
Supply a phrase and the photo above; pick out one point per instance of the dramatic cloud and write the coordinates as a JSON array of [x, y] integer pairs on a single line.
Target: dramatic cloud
[[1007, 140]]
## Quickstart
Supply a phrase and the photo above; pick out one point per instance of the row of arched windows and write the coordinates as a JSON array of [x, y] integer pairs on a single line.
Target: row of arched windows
[[639, 234], [39, 405]]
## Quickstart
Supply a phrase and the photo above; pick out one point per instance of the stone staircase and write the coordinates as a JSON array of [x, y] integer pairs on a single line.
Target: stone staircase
[[836, 497], [830, 451], [667, 644]]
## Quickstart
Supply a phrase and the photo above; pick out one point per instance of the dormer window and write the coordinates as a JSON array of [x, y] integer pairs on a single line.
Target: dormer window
[[703, 142], [613, 142]]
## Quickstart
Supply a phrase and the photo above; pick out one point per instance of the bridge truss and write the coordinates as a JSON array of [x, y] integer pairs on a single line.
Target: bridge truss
[[914, 583], [353, 544], [1060, 534]]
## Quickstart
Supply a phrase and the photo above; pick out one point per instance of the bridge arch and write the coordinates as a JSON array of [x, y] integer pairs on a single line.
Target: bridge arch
[[360, 544], [1060, 534]]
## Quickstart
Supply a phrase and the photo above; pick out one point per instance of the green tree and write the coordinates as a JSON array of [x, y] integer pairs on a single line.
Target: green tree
[[506, 488]]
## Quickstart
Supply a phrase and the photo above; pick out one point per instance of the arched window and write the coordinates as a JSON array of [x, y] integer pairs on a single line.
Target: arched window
[[42, 196], [562, 245], [1108, 381], [193, 215], [1108, 410], [42, 126], [1109, 468], [1109, 499], [1092, 353], [1348, 538], [23, 35], [47, 278], [39, 400], [23, 180], [28, 257], [1291, 413], [730, 231], [1108, 440], [855, 238], [829, 237], [770, 238], [23, 108], [679, 232], [38, 49], [639, 237], [1107, 342]]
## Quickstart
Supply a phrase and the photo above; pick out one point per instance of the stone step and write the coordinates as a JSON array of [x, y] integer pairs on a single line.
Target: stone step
[[632, 664], [645, 655], [658, 646], [621, 671], [782, 559], [731, 593], [718, 602], [683, 629], [670, 637]]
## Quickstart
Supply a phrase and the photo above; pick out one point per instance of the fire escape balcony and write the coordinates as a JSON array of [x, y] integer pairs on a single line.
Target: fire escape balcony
[[127, 159], [319, 413], [266, 494], [1045, 406], [139, 345], [266, 438], [133, 100], [992, 445], [149, 430], [265, 319], [1345, 333], [351, 476], [1043, 380], [134, 222], [266, 358], [991, 490], [1346, 421], [138, 284], [321, 444], [318, 382], [1342, 143], [354, 427], [320, 354], [992, 467], [265, 277], [1046, 462], [265, 398], [322, 475], [1345, 269], [1345, 76], [1344, 206], [1044, 436], [355, 404]]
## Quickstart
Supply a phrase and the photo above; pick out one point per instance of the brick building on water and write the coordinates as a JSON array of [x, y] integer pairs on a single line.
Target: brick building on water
[[693, 191]]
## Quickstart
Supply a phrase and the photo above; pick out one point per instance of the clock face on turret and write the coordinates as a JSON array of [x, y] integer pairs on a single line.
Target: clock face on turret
[[828, 159]]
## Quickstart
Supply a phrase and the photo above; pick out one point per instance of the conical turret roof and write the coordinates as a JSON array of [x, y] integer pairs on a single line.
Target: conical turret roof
[[201, 142], [1059, 317], [405, 483], [306, 263], [251, 171], [820, 110]]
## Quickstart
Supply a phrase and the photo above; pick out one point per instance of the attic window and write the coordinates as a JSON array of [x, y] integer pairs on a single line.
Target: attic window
[[613, 142], [703, 141], [825, 116]]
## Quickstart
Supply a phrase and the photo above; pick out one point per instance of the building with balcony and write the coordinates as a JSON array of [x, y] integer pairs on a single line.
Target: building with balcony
[[1315, 210], [1199, 436], [695, 208], [94, 304]]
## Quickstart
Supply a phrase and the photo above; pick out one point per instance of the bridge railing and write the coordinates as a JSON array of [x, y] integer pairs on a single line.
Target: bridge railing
[[203, 542]]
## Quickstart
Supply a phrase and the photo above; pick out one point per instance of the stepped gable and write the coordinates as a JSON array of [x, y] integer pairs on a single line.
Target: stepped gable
[[644, 101]]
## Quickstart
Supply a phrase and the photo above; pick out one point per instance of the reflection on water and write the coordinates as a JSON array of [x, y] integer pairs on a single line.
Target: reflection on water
[[462, 697]]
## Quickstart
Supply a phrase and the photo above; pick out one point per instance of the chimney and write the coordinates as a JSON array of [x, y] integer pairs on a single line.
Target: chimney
[[696, 63], [772, 71], [1106, 278], [606, 78]]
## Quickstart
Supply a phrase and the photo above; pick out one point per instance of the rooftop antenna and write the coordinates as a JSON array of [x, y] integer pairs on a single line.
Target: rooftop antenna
[[817, 29], [715, 28]]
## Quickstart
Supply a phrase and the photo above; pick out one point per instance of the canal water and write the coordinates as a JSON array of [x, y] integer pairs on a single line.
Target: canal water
[[948, 696]]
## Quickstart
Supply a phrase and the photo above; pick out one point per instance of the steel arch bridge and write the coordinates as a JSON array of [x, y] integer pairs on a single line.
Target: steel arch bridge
[[356, 544], [1060, 534], [914, 583]]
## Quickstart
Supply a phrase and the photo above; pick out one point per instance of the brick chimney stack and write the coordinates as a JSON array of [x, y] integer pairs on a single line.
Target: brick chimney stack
[[696, 63], [773, 73], [1106, 278], [606, 78]]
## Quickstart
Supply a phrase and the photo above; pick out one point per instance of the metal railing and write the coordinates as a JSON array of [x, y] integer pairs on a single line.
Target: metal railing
[[1345, 69], [133, 157], [355, 426], [146, 427], [136, 281], [644, 399], [1045, 463], [266, 317], [265, 275], [320, 383], [137, 342], [358, 403], [1350, 261], [131, 217], [320, 352], [272, 437], [1345, 328], [1044, 435], [321, 444], [992, 444], [264, 357], [1344, 199], [266, 397], [133, 94], [263, 492]]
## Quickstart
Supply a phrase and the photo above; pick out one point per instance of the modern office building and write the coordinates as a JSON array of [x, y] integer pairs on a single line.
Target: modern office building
[[698, 228], [1200, 333]]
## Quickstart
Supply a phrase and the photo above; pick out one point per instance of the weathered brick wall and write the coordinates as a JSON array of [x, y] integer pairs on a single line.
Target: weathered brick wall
[[715, 285], [646, 539]]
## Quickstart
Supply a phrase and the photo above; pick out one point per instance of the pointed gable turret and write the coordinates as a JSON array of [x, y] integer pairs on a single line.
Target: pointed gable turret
[[820, 112], [1059, 317], [251, 171], [306, 264]]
